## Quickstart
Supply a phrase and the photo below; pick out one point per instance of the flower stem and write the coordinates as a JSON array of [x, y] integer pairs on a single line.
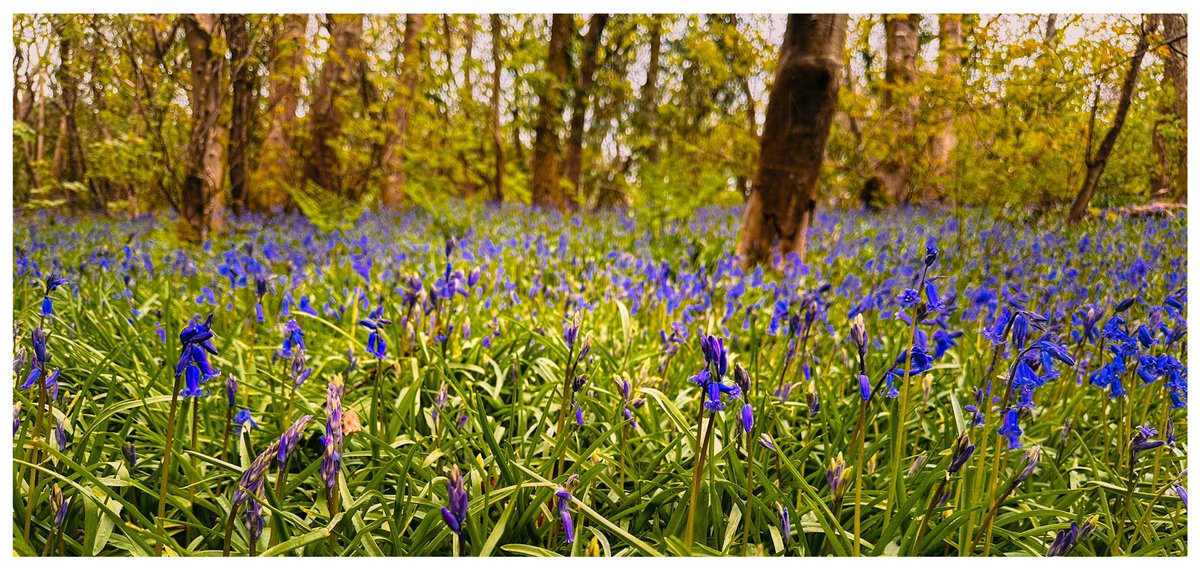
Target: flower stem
[[166, 467]]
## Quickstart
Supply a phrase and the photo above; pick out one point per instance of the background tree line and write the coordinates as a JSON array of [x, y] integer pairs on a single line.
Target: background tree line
[[328, 114]]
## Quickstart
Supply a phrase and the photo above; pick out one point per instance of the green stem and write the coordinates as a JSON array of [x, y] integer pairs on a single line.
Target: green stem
[[166, 467]]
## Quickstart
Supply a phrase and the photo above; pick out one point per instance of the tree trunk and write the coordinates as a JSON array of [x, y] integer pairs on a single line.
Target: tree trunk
[[274, 173], [497, 137], [392, 192], [584, 81], [899, 73], [73, 166], [800, 112], [322, 166], [1174, 31], [240, 111], [545, 186], [949, 62], [649, 102], [200, 205], [1096, 162]]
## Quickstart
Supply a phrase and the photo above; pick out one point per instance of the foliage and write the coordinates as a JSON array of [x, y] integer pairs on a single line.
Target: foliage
[[471, 305]]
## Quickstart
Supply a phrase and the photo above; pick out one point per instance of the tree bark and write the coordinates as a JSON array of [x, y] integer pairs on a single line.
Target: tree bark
[[1174, 31], [73, 164], [949, 62], [584, 82], [497, 137], [649, 102], [200, 205], [545, 186], [900, 72], [392, 192], [1095, 163], [800, 112], [243, 100], [338, 75], [274, 174]]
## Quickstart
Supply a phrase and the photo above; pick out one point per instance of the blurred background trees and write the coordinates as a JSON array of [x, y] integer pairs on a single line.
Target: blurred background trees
[[128, 114]]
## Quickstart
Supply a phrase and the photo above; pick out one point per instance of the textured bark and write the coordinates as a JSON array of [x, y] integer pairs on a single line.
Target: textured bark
[[800, 112], [240, 111], [949, 63], [392, 193], [497, 137], [545, 186], [1096, 162], [649, 103], [899, 72], [274, 173], [1174, 32], [200, 204], [584, 82], [338, 76], [70, 156]]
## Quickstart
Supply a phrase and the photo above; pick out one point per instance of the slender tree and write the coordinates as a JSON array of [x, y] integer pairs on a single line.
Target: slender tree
[[201, 204], [1095, 162], [949, 62], [800, 111], [237, 30], [497, 137], [900, 105], [1174, 32], [338, 76], [274, 173], [397, 133], [545, 186], [584, 81]]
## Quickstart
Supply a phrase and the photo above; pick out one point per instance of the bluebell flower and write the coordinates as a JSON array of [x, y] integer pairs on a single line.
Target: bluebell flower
[[129, 450], [1141, 441], [455, 511], [909, 298], [241, 420], [785, 525], [331, 460], [963, 448], [60, 436], [293, 337], [1011, 429]]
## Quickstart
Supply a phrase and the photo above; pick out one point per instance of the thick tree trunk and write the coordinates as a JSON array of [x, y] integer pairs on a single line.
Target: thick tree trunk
[[392, 192], [900, 106], [497, 137], [200, 205], [338, 75], [949, 62], [800, 111], [1096, 162], [1174, 31], [649, 103], [243, 100], [275, 173], [545, 187], [584, 81]]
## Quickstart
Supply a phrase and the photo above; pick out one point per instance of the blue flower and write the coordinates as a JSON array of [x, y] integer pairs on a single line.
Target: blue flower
[[242, 418], [1011, 429], [455, 511]]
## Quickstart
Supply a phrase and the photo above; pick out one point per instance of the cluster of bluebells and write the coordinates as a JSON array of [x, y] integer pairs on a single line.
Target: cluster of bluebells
[[376, 344], [1067, 539], [711, 378], [196, 342]]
